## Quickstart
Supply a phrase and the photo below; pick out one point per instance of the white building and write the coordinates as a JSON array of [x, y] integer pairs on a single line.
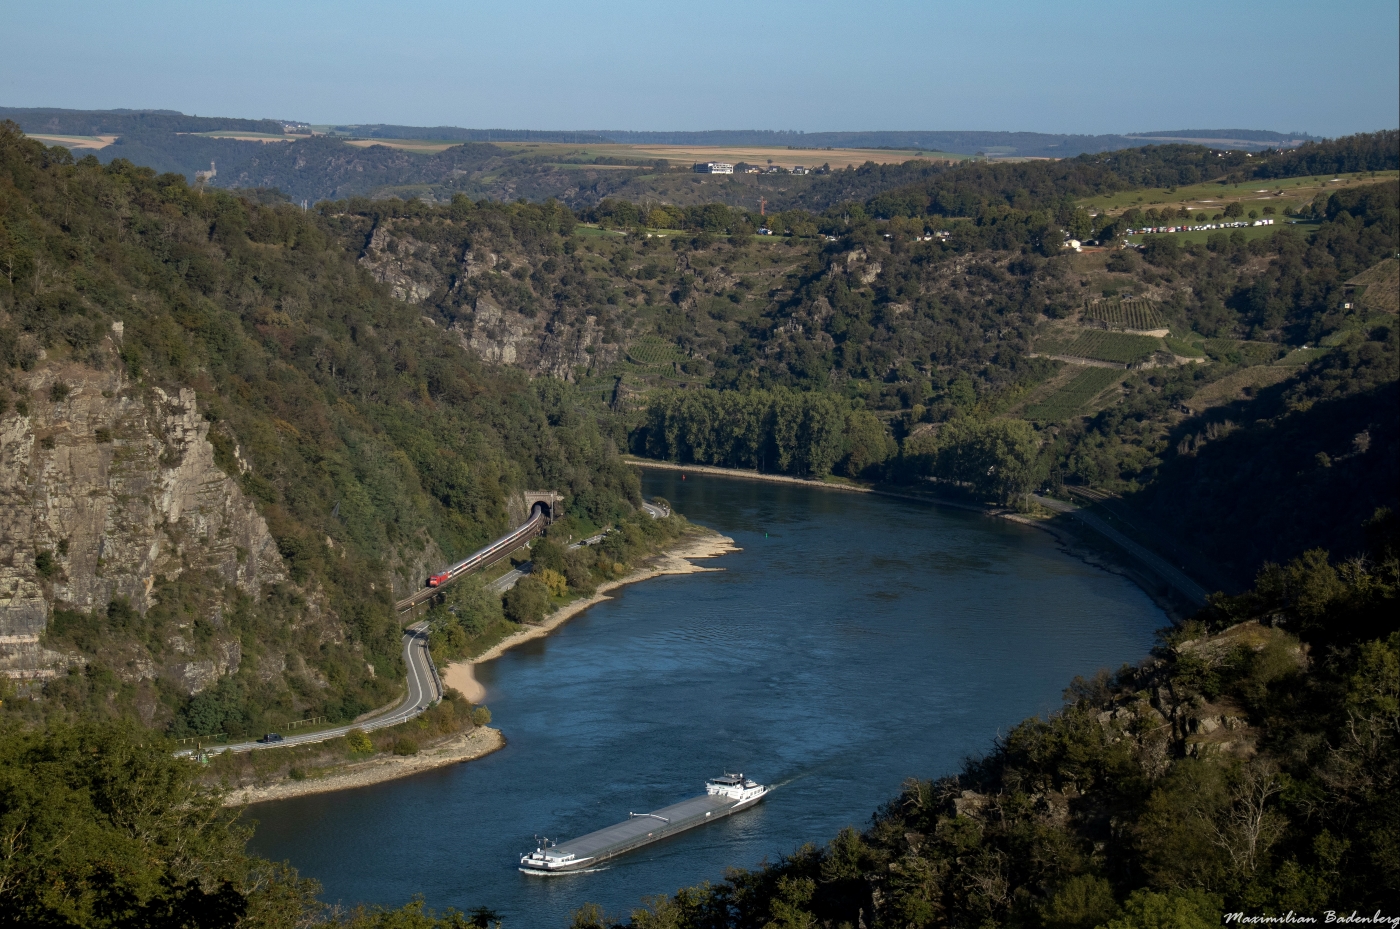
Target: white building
[[714, 167]]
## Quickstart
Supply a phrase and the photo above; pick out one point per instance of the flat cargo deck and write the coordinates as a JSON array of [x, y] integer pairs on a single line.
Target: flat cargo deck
[[644, 828]]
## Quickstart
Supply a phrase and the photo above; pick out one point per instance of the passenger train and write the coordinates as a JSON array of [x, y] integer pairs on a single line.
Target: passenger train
[[501, 546]]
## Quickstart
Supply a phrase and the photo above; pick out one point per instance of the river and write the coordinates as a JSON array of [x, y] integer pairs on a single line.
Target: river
[[854, 642]]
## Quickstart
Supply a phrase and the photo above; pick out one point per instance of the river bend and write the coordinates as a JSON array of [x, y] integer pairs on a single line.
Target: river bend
[[854, 642]]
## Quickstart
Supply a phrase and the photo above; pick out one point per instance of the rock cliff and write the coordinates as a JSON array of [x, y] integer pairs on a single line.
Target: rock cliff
[[424, 273], [104, 486]]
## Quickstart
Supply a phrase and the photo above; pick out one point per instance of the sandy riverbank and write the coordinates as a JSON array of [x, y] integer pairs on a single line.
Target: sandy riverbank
[[746, 475], [464, 747], [460, 677], [679, 559]]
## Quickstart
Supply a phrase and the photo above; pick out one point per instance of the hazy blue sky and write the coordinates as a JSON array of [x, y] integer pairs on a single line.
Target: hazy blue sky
[[1051, 67]]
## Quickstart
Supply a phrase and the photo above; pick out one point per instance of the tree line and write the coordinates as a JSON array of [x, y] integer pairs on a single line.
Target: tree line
[[814, 433]]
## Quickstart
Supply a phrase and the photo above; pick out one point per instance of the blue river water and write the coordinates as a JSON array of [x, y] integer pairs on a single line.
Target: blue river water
[[855, 642]]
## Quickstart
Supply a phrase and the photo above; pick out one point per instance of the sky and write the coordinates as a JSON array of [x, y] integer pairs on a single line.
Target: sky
[[1087, 67]]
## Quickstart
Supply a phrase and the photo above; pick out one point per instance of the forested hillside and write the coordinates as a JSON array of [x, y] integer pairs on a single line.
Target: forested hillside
[[161, 345], [119, 122], [333, 167]]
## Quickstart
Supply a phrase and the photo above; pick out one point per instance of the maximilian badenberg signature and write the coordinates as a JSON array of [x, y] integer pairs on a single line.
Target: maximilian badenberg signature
[[1328, 916]]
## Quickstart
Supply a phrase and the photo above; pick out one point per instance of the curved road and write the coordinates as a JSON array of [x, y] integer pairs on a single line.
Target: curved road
[[424, 689], [424, 685]]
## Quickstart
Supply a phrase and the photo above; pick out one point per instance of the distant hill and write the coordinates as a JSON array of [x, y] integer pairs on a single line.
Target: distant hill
[[117, 122], [1019, 144], [341, 165]]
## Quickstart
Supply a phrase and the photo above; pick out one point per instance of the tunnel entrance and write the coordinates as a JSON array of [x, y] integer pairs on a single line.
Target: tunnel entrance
[[545, 501]]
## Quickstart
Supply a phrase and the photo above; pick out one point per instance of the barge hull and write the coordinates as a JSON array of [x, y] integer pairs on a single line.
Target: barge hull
[[639, 830]]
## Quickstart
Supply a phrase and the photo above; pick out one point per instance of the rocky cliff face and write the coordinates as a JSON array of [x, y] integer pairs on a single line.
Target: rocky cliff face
[[421, 273], [405, 265], [104, 485], [542, 347]]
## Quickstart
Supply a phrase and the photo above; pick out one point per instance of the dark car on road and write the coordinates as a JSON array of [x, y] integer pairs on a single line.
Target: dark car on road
[[271, 737]]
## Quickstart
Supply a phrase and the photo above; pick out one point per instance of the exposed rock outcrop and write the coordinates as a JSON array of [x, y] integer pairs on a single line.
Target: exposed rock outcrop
[[555, 344], [404, 265], [104, 485], [496, 335]]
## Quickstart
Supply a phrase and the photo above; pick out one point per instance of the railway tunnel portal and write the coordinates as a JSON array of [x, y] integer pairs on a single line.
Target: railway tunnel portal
[[548, 502]]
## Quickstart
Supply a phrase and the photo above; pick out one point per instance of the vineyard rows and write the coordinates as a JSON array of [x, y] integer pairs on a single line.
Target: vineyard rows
[[1070, 399], [1125, 314], [652, 352], [1246, 353], [1099, 345]]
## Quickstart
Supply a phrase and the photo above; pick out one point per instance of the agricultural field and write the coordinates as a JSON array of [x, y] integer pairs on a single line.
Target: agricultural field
[[686, 155], [73, 142], [1213, 197], [1202, 236], [677, 156], [415, 146], [1074, 397], [1237, 351], [1125, 314], [1184, 349], [1300, 357], [1378, 287], [1097, 345], [654, 353], [246, 136]]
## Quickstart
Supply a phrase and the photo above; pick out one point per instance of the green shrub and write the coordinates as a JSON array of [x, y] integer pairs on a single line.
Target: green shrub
[[45, 565], [578, 569], [527, 601], [1083, 902], [359, 741], [403, 745], [547, 553], [557, 583]]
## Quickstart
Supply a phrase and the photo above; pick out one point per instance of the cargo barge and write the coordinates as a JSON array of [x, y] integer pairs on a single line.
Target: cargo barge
[[723, 796]]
